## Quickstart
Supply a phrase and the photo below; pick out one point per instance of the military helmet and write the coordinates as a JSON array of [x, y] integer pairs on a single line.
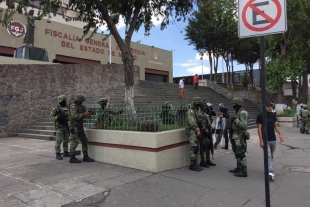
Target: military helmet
[[79, 98], [61, 98], [103, 101], [196, 100], [204, 103], [238, 101], [221, 106], [304, 106]]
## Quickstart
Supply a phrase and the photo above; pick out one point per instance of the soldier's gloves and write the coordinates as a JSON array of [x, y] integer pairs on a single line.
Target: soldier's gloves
[[85, 113], [232, 119]]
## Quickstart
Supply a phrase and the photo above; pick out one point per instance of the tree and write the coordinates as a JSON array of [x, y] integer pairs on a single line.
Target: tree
[[281, 48], [212, 28], [135, 13], [247, 51]]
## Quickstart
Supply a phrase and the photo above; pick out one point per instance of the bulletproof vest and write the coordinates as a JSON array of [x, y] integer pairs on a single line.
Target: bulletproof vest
[[79, 109], [235, 128], [304, 114], [202, 118], [64, 111]]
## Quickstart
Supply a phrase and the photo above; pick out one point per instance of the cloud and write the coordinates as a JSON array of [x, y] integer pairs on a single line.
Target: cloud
[[188, 64], [198, 70]]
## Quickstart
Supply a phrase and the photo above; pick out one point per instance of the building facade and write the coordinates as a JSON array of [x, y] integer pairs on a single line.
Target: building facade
[[61, 40]]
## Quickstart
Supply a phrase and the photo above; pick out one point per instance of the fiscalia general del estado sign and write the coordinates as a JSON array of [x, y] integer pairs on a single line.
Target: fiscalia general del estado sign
[[91, 45]]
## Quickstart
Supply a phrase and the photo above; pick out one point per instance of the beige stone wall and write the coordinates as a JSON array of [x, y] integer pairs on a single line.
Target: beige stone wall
[[17, 61], [28, 92], [62, 39]]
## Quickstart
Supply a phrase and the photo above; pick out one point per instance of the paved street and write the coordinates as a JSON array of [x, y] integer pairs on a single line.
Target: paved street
[[30, 176]]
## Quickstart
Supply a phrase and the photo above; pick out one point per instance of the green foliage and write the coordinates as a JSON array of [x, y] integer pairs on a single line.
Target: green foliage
[[245, 80], [6, 16], [286, 113], [288, 53], [213, 28]]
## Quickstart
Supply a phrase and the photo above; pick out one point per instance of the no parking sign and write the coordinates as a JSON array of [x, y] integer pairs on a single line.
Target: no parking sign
[[261, 17]]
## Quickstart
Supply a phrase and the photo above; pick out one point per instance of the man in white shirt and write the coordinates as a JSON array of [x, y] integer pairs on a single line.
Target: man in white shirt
[[181, 87]]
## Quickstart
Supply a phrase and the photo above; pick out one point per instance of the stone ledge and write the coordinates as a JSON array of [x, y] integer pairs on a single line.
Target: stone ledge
[[147, 151], [287, 121], [229, 94]]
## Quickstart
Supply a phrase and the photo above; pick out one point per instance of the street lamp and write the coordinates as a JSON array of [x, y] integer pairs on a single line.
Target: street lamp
[[201, 58], [172, 50]]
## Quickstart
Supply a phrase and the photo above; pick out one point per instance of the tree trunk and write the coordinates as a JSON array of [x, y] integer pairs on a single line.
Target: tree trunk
[[211, 63], [299, 88], [294, 89], [251, 77], [232, 75], [305, 87], [215, 68], [227, 73], [280, 95]]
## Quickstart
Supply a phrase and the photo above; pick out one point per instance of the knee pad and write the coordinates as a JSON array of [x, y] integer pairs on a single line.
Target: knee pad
[[243, 161], [195, 149]]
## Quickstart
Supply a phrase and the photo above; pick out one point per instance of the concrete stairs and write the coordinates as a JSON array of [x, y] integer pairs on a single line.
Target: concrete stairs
[[43, 130], [147, 93]]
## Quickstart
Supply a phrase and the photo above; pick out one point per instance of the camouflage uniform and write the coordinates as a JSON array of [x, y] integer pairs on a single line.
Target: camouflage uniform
[[59, 116], [239, 130], [207, 139], [101, 116], [191, 131], [304, 114], [77, 112]]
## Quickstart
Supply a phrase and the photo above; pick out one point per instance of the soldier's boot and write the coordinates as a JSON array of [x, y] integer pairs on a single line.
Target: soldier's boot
[[243, 168], [204, 164], [210, 163], [234, 170], [74, 160], [58, 156], [237, 169], [241, 173], [87, 159], [194, 166], [66, 154]]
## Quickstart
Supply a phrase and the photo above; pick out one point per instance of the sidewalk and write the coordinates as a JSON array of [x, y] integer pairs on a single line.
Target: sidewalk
[[31, 176]]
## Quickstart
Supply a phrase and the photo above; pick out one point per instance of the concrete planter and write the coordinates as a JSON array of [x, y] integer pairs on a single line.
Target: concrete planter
[[287, 121], [152, 152]]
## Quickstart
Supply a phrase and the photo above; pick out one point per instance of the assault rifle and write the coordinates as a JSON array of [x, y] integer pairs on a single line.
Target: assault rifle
[[62, 119], [204, 134]]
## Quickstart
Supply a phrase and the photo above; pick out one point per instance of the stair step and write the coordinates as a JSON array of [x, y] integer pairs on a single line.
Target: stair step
[[38, 127], [45, 123], [37, 136], [42, 132]]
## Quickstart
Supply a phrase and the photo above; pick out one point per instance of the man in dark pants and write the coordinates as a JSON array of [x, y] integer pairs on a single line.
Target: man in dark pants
[[272, 125], [224, 116]]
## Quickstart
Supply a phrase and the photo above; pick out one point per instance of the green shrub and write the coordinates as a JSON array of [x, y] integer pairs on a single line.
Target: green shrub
[[286, 113]]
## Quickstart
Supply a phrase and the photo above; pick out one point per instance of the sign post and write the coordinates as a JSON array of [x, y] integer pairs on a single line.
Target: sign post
[[260, 18]]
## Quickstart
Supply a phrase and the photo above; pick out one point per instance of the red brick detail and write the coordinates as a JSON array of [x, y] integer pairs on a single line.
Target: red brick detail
[[146, 149]]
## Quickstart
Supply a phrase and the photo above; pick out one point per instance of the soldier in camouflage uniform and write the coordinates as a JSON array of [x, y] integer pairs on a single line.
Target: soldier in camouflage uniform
[[193, 133], [77, 112], [101, 116], [59, 116], [207, 139], [238, 140], [305, 115]]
